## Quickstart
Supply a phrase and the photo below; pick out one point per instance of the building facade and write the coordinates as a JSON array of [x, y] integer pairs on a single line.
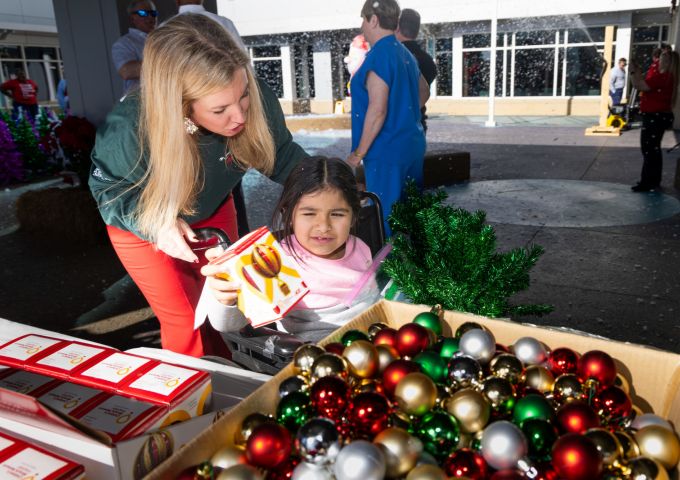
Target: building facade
[[548, 57]]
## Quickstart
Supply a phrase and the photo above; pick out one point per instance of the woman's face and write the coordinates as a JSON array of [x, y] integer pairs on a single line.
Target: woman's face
[[224, 112]]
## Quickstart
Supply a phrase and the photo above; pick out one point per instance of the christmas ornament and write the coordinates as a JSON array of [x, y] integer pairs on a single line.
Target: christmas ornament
[[204, 471], [465, 463], [643, 468], [541, 436], [360, 460], [660, 444], [508, 475], [351, 335], [507, 366], [567, 387], [293, 410], [329, 364], [530, 351], [318, 441], [439, 432], [470, 408], [375, 328], [362, 358], [335, 347], [295, 383], [532, 406], [500, 393], [538, 378], [612, 403], [412, 339], [447, 347], [367, 385], [641, 421], [429, 320], [395, 371], [240, 472], [621, 382], [478, 344], [304, 358], [597, 365], [386, 336], [545, 471], [386, 355], [607, 444], [503, 445], [401, 450], [268, 445], [575, 457], [576, 417], [432, 365], [368, 415], [307, 471], [248, 425], [226, 457], [627, 442], [562, 360], [267, 262], [283, 471], [464, 371], [466, 327], [329, 397], [416, 394], [426, 472]]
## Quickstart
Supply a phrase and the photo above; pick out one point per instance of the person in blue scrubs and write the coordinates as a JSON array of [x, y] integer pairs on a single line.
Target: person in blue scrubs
[[387, 93]]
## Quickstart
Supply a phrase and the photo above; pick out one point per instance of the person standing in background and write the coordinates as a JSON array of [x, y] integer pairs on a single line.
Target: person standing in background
[[127, 52], [407, 32], [196, 6], [23, 92], [617, 82]]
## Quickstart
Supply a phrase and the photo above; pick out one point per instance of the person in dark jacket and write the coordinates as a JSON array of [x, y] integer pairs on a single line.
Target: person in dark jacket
[[168, 156]]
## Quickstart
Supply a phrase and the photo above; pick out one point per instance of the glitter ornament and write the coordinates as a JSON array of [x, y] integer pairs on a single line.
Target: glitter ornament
[[368, 414], [465, 463], [329, 397], [293, 410]]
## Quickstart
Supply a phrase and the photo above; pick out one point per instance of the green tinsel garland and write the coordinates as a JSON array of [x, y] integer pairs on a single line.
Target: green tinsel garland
[[445, 255]]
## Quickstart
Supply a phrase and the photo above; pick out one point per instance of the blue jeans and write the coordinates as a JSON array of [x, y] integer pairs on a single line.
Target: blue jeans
[[616, 95]]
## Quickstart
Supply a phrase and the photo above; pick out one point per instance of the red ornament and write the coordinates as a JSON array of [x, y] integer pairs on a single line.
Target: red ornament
[[412, 339], [268, 445], [329, 396], [500, 348], [562, 360], [386, 336], [576, 417], [395, 371], [545, 471], [612, 403], [575, 457], [335, 347], [508, 475], [466, 463], [597, 365], [283, 471], [368, 415]]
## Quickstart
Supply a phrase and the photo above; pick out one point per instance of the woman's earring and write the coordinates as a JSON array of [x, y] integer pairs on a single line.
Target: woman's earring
[[190, 126]]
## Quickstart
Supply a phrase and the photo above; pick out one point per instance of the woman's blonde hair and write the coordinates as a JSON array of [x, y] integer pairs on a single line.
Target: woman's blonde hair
[[187, 58]]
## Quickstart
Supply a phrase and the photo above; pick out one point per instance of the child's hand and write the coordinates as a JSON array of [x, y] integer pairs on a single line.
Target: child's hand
[[223, 288]]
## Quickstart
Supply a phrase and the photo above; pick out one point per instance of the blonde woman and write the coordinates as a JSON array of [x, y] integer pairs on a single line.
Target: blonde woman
[[168, 156]]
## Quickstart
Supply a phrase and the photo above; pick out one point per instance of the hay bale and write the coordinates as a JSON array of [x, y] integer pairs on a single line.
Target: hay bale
[[64, 216]]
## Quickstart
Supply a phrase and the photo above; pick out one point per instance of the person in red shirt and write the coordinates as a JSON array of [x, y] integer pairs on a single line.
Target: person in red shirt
[[23, 92], [658, 89]]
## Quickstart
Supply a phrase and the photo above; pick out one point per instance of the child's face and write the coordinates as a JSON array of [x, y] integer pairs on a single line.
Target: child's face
[[321, 223]]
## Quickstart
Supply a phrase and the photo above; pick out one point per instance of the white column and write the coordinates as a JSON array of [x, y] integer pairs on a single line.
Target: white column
[[491, 122], [457, 65], [322, 75], [287, 73]]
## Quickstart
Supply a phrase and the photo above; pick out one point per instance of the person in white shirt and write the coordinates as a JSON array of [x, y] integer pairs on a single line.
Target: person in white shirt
[[617, 82], [196, 6], [127, 52]]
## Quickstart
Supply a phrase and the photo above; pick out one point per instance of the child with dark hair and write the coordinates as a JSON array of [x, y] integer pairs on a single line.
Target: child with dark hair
[[315, 216]]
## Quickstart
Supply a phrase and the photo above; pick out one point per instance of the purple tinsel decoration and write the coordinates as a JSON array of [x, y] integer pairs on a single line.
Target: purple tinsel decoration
[[11, 166]]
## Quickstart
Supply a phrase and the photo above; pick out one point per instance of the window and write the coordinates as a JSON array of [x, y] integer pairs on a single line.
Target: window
[[534, 72], [645, 41], [476, 74], [540, 37], [444, 60], [583, 70], [267, 65], [41, 64]]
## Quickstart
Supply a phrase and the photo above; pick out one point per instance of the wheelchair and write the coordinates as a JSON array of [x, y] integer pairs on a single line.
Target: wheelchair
[[265, 349]]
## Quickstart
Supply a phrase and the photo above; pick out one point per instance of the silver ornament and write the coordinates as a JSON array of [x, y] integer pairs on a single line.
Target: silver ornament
[[503, 444], [650, 419], [360, 460], [307, 471], [530, 351], [464, 371], [479, 344], [295, 383], [318, 441]]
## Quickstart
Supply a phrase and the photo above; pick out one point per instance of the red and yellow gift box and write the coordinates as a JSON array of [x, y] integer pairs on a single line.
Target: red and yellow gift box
[[22, 460]]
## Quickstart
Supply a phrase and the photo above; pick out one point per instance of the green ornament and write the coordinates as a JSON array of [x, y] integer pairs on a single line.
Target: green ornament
[[429, 320], [531, 406], [439, 433], [541, 435], [293, 410], [432, 365], [447, 347], [352, 335]]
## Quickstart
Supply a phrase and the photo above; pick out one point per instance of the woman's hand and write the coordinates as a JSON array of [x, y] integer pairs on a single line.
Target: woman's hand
[[171, 241], [354, 160], [225, 290]]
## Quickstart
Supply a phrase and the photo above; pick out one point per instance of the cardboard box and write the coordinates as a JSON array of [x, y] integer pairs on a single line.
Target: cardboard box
[[654, 375], [27, 347], [112, 371], [25, 382], [67, 360], [22, 460]]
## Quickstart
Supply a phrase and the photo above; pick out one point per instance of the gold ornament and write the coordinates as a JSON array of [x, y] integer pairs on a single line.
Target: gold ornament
[[643, 468], [401, 450], [227, 457], [507, 366], [374, 328], [240, 472], [607, 444], [427, 472], [304, 358], [567, 387], [330, 364], [362, 357], [622, 382], [248, 425], [470, 408], [443, 392], [630, 448], [416, 394], [498, 391], [386, 355], [539, 378], [365, 385], [660, 444]]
